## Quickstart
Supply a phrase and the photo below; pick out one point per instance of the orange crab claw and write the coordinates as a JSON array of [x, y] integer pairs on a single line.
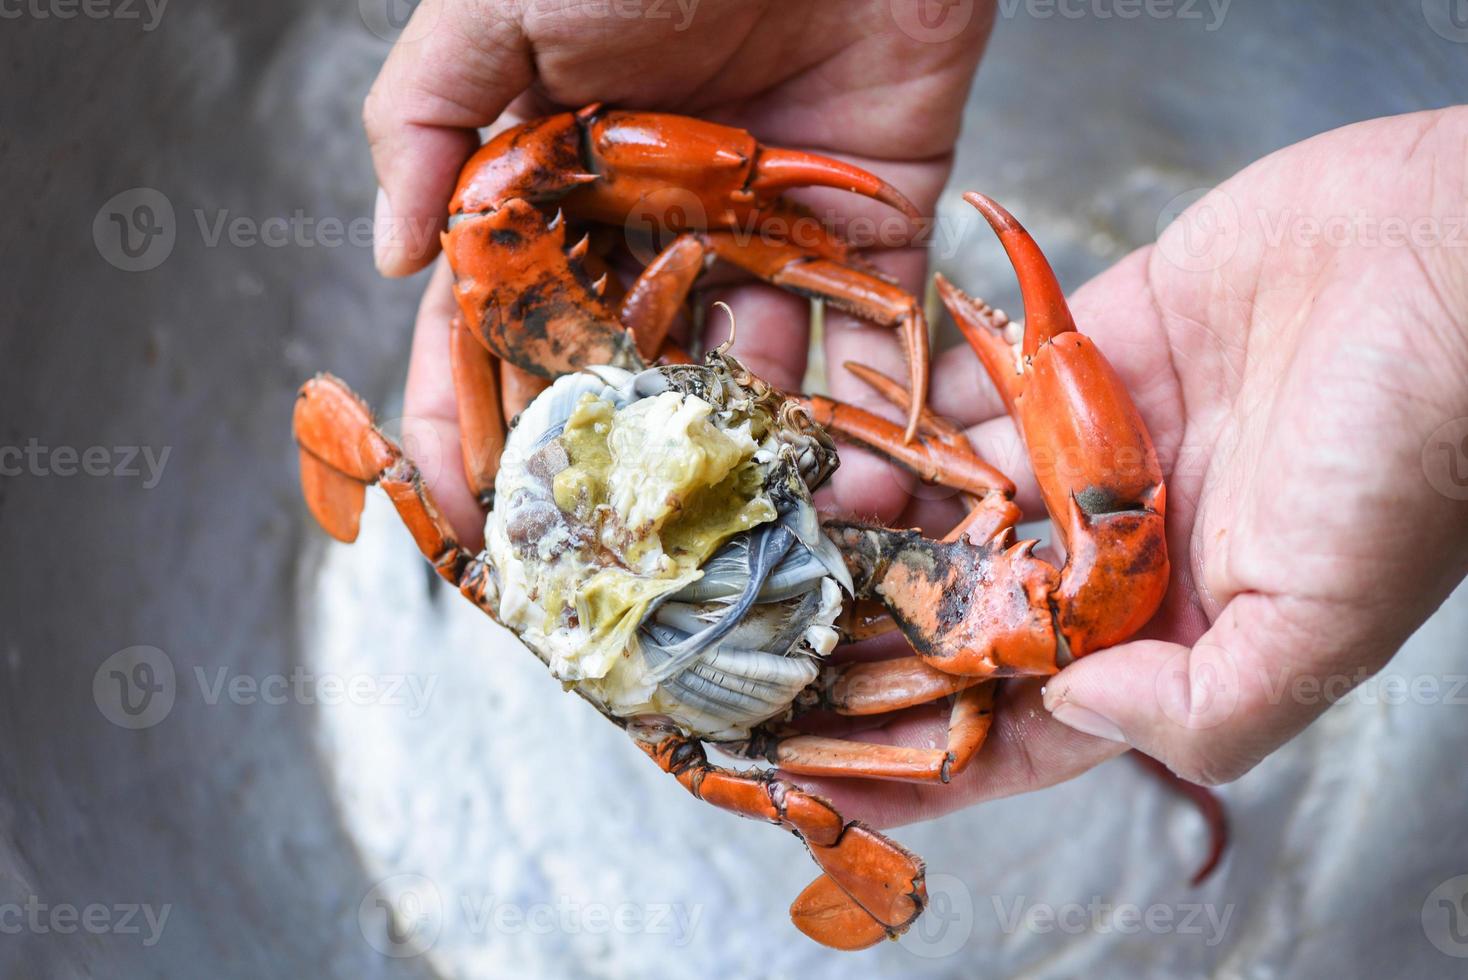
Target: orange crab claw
[[536, 299], [778, 169], [691, 165], [1092, 454], [977, 605], [1047, 314]]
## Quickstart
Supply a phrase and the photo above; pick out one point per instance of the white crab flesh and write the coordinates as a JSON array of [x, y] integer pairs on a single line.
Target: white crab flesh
[[653, 541]]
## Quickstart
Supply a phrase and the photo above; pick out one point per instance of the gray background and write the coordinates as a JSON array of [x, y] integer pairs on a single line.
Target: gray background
[[268, 830]]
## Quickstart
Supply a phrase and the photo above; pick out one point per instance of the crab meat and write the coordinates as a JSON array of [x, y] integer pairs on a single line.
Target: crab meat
[[655, 544]]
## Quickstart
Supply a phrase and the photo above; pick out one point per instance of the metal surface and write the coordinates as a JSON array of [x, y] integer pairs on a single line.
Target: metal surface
[[266, 829]]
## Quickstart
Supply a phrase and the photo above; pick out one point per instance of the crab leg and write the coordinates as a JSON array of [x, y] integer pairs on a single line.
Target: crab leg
[[819, 755], [844, 286], [875, 687], [533, 301], [992, 506], [933, 460], [342, 453], [871, 889], [660, 292], [654, 301], [977, 605], [518, 388], [481, 422]]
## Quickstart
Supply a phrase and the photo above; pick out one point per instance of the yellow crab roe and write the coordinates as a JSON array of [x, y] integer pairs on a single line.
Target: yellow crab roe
[[664, 488]]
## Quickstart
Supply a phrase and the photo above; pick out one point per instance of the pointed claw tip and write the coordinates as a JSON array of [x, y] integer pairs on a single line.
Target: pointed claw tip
[[1046, 311], [947, 292], [894, 198], [776, 169], [995, 213]]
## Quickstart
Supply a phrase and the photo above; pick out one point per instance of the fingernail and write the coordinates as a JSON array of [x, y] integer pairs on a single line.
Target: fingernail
[[1086, 721], [382, 232]]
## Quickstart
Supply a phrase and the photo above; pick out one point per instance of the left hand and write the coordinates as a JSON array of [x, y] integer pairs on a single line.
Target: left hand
[[1296, 373], [851, 79]]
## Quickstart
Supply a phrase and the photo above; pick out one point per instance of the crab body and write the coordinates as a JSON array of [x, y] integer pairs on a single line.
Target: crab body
[[651, 534], [654, 542]]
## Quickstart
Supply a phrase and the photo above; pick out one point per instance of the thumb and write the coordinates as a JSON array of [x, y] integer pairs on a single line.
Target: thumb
[[1267, 668], [455, 68]]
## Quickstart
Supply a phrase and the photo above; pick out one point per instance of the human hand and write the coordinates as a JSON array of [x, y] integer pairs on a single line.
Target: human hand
[[1295, 342], [853, 80]]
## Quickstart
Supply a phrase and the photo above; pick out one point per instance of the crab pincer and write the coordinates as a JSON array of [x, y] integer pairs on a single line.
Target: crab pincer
[[1098, 474], [652, 534], [523, 284]]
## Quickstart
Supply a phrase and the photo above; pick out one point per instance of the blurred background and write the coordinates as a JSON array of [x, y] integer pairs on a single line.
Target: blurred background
[[228, 749]]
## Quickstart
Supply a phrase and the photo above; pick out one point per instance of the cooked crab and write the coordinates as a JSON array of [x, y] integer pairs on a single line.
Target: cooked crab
[[652, 536]]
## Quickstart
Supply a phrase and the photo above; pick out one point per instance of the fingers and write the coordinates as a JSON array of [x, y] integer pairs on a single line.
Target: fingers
[[431, 413], [961, 390], [1026, 750], [456, 68], [1266, 669]]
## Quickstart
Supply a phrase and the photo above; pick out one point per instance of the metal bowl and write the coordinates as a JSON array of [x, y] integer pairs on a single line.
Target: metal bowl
[[183, 762]]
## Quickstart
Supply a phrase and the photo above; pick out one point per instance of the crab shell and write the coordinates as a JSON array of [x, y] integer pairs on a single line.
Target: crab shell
[[716, 645]]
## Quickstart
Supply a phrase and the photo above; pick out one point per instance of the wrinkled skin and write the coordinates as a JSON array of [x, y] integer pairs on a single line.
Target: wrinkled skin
[[832, 76], [1293, 387], [1290, 392]]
